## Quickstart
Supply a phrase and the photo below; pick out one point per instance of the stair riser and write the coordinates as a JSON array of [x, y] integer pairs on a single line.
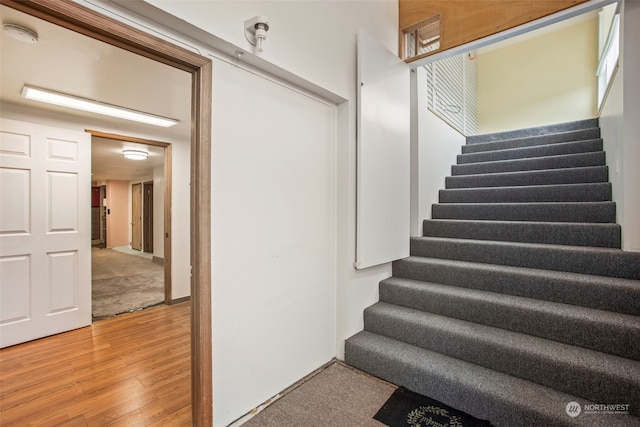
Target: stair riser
[[619, 336], [595, 235], [601, 212], [543, 177], [536, 131], [560, 258], [486, 394], [425, 379], [599, 192], [523, 361], [541, 163], [531, 152], [578, 135], [622, 296]]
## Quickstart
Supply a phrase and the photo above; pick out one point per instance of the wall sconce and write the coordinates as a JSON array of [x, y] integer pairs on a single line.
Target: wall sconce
[[135, 154], [255, 31]]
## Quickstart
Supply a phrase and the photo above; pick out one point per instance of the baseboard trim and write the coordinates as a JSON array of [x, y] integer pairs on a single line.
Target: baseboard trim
[[158, 260], [179, 300]]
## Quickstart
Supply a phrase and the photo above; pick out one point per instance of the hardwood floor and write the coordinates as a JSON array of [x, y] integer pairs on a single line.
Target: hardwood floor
[[131, 370]]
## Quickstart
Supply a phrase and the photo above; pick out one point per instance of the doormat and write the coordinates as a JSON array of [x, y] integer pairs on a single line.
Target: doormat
[[408, 409]]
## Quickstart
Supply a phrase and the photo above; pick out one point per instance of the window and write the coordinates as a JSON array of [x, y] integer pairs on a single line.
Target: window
[[452, 91], [421, 38], [610, 52]]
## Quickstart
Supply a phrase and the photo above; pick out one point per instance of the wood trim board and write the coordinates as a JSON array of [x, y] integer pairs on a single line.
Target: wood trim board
[[464, 21]]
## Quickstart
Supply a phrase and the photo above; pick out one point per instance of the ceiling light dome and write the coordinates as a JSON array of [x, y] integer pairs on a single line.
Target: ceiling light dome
[[135, 154], [21, 33]]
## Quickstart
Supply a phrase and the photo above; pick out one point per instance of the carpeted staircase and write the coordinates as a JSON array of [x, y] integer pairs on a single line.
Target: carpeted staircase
[[518, 299]]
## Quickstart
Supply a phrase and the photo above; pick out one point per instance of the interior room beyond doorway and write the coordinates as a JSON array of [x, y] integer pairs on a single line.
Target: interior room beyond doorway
[[128, 197]]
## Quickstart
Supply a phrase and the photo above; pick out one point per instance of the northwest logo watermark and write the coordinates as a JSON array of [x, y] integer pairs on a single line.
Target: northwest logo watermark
[[573, 409]]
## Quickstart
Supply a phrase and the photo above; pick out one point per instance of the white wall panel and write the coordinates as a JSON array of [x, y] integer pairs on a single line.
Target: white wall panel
[[383, 193], [63, 281], [62, 202], [273, 238], [15, 209], [15, 288]]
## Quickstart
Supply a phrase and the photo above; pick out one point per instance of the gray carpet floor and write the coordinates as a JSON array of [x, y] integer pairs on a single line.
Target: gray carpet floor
[[122, 283], [338, 396]]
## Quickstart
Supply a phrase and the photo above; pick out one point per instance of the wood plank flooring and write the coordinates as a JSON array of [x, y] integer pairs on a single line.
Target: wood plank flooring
[[130, 370]]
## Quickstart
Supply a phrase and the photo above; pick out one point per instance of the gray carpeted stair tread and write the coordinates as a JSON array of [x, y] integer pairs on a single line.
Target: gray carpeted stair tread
[[532, 141], [505, 400], [558, 233], [534, 131], [605, 331], [592, 192], [599, 292], [525, 178], [576, 259], [536, 163], [574, 147], [595, 212], [586, 373], [518, 293]]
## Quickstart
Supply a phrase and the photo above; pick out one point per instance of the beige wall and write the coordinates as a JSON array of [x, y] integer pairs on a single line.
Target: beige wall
[[542, 80], [118, 218]]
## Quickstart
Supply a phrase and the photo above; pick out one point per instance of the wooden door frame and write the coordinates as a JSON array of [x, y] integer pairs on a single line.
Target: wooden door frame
[[71, 15]]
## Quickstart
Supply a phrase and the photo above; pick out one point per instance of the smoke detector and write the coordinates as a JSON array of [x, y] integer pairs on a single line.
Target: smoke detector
[[21, 33]]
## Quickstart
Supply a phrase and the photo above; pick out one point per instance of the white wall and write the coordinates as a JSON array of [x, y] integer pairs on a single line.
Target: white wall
[[313, 44], [181, 272], [273, 238], [621, 130], [541, 80], [631, 126], [312, 39], [436, 146], [612, 132]]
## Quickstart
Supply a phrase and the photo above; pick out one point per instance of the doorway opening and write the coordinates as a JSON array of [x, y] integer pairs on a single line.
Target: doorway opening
[[130, 272], [78, 18]]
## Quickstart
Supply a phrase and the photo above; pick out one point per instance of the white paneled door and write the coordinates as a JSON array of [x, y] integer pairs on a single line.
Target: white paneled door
[[45, 236]]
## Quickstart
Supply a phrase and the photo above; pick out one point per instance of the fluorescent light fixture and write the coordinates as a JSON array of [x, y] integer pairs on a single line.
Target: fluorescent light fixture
[[135, 154], [64, 100]]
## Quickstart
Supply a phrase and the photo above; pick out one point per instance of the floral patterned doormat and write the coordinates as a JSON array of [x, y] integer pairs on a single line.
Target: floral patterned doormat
[[408, 409]]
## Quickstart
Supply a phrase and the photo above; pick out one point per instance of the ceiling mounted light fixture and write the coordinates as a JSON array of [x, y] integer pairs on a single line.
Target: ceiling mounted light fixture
[[21, 33], [135, 154], [75, 102]]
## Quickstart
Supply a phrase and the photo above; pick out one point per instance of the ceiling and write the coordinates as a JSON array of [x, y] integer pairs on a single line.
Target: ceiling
[[68, 62]]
